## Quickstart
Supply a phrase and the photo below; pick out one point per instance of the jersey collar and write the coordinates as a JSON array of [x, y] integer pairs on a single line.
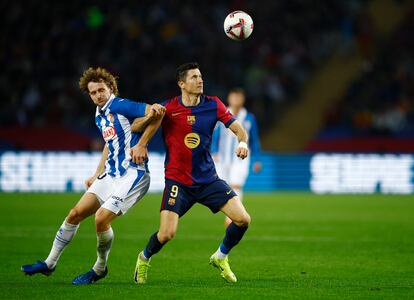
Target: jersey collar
[[180, 100], [112, 97]]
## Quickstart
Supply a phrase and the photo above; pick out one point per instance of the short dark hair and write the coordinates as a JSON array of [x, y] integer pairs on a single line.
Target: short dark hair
[[237, 90], [181, 72]]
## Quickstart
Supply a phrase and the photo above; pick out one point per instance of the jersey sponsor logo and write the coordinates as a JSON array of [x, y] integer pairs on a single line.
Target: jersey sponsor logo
[[115, 203], [171, 201], [175, 114], [109, 133], [191, 120], [117, 198], [228, 192], [192, 140]]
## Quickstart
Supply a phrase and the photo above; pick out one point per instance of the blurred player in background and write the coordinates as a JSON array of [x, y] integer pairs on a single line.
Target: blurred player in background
[[229, 167], [118, 182], [190, 175]]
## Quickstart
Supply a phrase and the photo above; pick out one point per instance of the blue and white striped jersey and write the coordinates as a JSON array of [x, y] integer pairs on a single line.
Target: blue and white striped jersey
[[114, 121], [224, 142]]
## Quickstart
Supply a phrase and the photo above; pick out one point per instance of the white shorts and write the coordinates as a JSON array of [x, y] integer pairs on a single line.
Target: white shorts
[[120, 194], [235, 173]]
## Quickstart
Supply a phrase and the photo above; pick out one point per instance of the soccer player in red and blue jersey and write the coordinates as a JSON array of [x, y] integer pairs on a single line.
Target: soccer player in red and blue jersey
[[190, 174]]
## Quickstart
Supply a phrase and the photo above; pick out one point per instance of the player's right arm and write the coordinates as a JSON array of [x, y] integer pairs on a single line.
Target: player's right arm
[[230, 122], [152, 112], [140, 152], [133, 109], [99, 169]]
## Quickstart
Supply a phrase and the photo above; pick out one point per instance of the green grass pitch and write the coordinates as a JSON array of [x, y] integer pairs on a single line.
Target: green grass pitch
[[299, 246]]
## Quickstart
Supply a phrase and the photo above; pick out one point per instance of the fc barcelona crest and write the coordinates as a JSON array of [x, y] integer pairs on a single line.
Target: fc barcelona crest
[[191, 120], [171, 201]]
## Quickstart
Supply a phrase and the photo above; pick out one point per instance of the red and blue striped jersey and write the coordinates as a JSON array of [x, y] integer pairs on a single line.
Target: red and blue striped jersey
[[188, 134]]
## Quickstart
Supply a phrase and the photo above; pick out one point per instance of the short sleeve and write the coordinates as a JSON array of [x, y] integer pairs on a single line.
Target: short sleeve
[[223, 113], [128, 108]]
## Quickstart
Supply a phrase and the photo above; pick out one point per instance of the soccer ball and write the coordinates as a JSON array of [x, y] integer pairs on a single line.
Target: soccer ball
[[238, 25]]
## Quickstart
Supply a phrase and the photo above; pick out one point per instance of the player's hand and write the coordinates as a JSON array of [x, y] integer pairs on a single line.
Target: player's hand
[[156, 111], [257, 167], [139, 153], [90, 180], [242, 152]]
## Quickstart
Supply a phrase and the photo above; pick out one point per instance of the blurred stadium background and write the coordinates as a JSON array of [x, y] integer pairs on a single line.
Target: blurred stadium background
[[331, 84], [334, 77]]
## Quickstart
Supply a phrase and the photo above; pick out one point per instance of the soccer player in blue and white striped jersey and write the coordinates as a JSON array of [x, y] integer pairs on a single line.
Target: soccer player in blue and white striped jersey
[[229, 167], [118, 182]]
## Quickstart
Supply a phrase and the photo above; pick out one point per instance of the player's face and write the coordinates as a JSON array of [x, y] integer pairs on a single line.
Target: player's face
[[193, 83], [99, 92], [236, 100]]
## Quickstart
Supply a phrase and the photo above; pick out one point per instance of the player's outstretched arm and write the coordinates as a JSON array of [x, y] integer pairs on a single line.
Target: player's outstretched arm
[[99, 169], [242, 149], [151, 112], [140, 152]]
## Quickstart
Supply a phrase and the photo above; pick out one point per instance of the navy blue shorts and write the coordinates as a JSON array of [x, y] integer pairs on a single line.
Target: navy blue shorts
[[180, 198]]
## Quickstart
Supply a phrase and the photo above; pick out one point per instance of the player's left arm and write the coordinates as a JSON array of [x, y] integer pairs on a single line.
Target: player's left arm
[[224, 116], [242, 149], [140, 152]]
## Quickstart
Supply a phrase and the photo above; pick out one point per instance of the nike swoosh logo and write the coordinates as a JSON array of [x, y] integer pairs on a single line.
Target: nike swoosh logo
[[228, 192], [174, 114]]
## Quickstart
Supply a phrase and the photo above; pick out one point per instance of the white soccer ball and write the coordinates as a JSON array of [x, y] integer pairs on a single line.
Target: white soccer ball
[[238, 25]]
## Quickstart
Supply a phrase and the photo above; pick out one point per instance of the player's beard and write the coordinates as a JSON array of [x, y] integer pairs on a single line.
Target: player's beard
[[199, 91]]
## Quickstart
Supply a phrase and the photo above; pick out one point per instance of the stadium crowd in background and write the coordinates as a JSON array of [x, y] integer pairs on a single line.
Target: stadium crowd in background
[[381, 100], [42, 53]]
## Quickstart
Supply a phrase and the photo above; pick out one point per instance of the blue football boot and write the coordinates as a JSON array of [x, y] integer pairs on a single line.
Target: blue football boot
[[38, 267], [89, 277]]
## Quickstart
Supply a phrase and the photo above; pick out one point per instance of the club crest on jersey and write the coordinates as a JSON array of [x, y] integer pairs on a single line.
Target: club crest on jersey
[[191, 120], [111, 118], [109, 133], [192, 140], [171, 201]]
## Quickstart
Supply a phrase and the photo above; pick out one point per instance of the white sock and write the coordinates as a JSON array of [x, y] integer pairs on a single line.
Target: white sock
[[220, 254], [104, 244], [64, 235]]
